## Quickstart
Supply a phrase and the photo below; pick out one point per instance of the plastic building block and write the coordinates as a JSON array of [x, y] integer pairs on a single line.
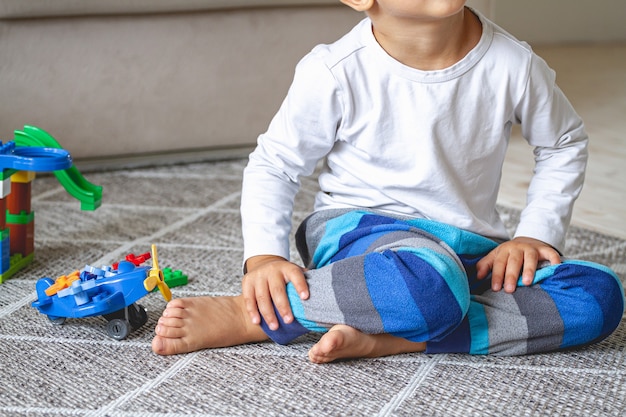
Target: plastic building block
[[5, 261], [6, 174], [62, 282], [33, 150], [174, 278], [19, 199], [108, 292], [20, 218], [5, 185], [21, 234], [23, 176], [33, 159], [136, 260], [17, 262], [89, 195], [3, 210]]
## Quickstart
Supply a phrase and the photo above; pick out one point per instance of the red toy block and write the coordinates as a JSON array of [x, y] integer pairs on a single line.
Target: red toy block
[[134, 259], [22, 238], [3, 213], [19, 199]]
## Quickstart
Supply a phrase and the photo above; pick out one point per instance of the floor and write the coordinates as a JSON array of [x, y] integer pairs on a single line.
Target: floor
[[77, 370], [594, 79]]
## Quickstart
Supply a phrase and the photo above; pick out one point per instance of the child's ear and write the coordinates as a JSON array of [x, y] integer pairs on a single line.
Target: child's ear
[[359, 5]]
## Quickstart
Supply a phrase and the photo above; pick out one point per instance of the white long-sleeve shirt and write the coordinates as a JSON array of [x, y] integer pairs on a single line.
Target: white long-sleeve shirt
[[420, 143]]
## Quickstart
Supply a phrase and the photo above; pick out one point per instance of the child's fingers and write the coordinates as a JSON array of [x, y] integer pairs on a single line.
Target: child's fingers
[[552, 255], [265, 305], [251, 305], [531, 258], [508, 260], [281, 302], [483, 267], [258, 300], [299, 283], [265, 294], [278, 292], [498, 271]]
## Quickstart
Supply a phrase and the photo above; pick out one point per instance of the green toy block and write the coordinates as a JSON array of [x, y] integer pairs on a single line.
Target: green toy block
[[174, 278], [18, 262]]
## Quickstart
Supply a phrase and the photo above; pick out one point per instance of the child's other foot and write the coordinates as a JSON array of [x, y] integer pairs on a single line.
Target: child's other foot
[[190, 324], [344, 342]]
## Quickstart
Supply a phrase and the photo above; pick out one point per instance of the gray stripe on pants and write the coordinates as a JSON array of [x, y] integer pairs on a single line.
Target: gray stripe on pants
[[507, 327], [545, 325], [340, 295]]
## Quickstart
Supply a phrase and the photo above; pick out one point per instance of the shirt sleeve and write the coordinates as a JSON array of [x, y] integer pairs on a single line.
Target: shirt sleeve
[[551, 125], [300, 134]]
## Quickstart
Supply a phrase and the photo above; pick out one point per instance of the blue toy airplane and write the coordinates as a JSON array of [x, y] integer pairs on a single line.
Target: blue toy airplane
[[109, 292]]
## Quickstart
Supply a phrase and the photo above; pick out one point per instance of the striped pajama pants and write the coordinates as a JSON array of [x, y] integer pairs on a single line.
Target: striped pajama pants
[[416, 279]]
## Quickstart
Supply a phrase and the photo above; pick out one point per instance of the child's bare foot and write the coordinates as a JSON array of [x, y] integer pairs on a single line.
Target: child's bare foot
[[344, 342], [190, 324]]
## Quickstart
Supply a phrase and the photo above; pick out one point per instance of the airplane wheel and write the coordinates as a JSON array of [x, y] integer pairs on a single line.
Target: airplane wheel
[[57, 321], [118, 329], [137, 315]]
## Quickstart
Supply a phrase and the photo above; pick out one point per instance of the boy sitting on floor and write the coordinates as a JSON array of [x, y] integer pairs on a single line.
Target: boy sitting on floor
[[411, 112]]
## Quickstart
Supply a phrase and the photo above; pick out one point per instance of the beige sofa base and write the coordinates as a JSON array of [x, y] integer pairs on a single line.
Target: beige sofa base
[[161, 158]]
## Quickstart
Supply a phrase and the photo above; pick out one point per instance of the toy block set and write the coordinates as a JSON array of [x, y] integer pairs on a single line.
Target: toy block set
[[33, 150], [110, 291]]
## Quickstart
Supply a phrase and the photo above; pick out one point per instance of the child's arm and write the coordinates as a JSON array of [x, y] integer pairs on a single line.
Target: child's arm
[[507, 260], [264, 288], [302, 132], [550, 124]]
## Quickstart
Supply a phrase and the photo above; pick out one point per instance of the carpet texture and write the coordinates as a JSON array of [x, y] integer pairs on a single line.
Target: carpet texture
[[191, 213]]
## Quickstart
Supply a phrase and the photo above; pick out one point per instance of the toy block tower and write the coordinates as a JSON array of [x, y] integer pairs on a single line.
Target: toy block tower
[[17, 221], [5, 190], [33, 150], [19, 217]]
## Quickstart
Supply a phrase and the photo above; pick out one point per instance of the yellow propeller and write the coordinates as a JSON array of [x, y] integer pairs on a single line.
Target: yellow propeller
[[155, 278]]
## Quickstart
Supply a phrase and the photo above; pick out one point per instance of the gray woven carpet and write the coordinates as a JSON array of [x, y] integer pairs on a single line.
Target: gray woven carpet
[[191, 213]]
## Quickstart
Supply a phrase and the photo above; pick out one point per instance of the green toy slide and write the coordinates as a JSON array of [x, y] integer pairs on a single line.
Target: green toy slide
[[89, 195]]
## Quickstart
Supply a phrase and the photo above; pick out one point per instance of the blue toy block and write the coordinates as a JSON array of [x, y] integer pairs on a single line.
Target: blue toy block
[[5, 260], [35, 159]]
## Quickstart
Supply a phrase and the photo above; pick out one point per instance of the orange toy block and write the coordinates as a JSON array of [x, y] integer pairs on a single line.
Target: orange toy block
[[62, 282]]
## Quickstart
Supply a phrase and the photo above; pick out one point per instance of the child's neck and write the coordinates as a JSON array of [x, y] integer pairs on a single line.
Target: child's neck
[[428, 45]]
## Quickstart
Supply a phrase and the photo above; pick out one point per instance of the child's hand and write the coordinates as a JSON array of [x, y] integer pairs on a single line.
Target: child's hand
[[507, 260], [263, 288]]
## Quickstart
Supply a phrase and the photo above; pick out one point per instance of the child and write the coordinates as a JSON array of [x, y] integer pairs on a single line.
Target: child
[[411, 112]]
